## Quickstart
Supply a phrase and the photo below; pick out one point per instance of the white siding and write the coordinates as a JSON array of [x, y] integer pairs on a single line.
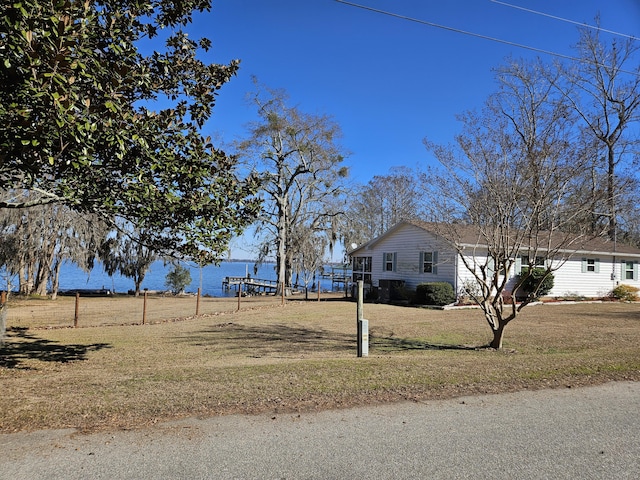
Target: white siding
[[620, 271], [478, 258], [570, 278], [407, 243]]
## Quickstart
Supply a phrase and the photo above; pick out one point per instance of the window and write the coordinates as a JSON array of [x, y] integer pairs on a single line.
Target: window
[[428, 262], [389, 262], [630, 270], [362, 269], [362, 264], [590, 265], [540, 261]]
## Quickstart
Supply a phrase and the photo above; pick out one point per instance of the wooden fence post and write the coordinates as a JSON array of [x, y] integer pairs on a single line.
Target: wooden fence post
[[3, 316], [144, 309], [239, 294], [75, 318], [198, 303]]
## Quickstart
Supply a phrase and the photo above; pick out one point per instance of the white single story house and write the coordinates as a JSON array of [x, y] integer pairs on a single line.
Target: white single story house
[[414, 253]]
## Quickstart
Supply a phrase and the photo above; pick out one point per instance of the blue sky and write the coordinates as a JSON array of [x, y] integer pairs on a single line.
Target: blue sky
[[388, 82]]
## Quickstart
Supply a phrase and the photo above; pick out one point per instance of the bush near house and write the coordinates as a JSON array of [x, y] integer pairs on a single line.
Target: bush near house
[[626, 293], [540, 278], [434, 293]]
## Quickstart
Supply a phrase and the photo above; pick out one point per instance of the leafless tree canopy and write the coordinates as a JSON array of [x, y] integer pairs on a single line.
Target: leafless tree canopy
[[299, 160], [383, 202], [539, 167]]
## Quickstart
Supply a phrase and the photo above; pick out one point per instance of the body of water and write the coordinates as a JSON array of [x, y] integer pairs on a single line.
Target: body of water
[[208, 279]]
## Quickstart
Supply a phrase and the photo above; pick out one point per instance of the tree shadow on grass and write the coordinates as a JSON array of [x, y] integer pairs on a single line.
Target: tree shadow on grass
[[20, 345], [267, 339], [294, 340], [615, 314], [390, 344]]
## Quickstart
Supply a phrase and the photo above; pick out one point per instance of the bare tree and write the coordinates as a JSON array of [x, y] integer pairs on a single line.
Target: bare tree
[[504, 193], [382, 203], [604, 90], [300, 163]]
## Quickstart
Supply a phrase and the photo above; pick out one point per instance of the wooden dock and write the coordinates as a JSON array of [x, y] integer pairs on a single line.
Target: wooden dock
[[249, 285], [341, 277], [340, 280]]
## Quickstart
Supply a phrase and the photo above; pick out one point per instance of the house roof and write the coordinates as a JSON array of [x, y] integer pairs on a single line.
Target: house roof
[[471, 236]]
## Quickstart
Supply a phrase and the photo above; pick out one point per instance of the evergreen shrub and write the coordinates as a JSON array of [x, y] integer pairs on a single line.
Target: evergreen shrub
[[434, 293], [536, 279]]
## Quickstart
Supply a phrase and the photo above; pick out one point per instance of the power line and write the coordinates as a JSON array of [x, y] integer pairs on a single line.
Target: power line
[[478, 35], [456, 30], [585, 25]]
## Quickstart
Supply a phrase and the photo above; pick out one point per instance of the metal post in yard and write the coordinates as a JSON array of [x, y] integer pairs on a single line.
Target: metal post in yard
[[198, 303], [362, 324], [359, 303]]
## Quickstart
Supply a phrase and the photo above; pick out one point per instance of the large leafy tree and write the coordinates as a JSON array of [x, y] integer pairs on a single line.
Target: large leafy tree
[[128, 255], [89, 121]]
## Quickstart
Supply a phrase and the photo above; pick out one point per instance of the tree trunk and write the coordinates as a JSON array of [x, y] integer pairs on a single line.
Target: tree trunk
[[55, 279], [611, 193], [25, 276], [42, 280], [282, 250], [138, 277], [3, 322], [498, 333], [22, 280]]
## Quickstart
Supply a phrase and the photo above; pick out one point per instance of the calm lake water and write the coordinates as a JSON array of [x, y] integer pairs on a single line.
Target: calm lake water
[[209, 278]]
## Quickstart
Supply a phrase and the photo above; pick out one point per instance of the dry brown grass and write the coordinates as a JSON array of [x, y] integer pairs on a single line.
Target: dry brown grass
[[37, 312], [118, 374]]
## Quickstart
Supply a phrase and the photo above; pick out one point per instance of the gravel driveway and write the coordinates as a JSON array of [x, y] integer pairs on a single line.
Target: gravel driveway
[[586, 433]]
